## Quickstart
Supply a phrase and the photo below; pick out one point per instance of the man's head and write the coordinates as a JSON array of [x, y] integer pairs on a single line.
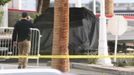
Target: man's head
[[24, 15]]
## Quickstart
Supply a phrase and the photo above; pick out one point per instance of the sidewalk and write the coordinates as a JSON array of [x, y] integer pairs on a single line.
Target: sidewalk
[[106, 69]]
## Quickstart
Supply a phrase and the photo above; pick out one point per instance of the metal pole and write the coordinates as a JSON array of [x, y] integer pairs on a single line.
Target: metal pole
[[115, 47], [94, 7], [78, 3], [103, 48]]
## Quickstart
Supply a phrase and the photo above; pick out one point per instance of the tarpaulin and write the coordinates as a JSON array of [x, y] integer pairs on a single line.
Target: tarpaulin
[[84, 29]]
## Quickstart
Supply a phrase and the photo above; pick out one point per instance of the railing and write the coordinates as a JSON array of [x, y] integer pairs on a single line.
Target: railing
[[6, 44]]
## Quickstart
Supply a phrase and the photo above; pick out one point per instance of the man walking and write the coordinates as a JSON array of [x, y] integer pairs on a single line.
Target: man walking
[[21, 36]]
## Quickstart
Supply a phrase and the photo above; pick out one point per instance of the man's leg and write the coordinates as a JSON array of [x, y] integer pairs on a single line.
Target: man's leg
[[26, 51], [20, 47]]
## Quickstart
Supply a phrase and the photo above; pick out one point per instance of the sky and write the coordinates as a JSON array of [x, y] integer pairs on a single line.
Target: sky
[[116, 1]]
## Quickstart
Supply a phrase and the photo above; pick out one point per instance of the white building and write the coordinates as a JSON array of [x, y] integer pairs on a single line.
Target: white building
[[124, 6], [22, 5]]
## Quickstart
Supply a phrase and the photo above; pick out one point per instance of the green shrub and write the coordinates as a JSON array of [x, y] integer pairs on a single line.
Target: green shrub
[[121, 63]]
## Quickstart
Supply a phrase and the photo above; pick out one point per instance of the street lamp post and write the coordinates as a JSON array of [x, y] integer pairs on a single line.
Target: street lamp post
[[94, 7], [103, 48]]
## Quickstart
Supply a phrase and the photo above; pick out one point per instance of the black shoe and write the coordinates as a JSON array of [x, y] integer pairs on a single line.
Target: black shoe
[[19, 67]]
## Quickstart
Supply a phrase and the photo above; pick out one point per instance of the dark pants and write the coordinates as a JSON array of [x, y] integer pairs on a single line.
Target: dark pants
[[24, 50]]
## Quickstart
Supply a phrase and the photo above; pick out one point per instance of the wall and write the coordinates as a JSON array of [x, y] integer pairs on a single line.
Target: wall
[[15, 15]]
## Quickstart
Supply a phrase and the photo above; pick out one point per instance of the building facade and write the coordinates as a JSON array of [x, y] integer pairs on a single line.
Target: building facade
[[22, 5]]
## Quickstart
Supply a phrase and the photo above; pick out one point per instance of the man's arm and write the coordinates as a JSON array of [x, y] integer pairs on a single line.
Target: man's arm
[[32, 25], [15, 32]]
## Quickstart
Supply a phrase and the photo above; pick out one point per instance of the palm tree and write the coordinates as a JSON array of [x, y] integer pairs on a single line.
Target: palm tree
[[109, 7], [61, 35], [42, 5], [3, 2]]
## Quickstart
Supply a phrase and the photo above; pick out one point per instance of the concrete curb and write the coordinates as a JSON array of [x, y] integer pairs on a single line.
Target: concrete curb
[[99, 68]]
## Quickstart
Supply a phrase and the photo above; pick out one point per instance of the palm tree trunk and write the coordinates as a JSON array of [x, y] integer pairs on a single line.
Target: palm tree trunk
[[109, 7], [61, 35], [42, 5]]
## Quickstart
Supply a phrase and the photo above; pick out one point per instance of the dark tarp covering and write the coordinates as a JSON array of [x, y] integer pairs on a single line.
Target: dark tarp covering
[[83, 29]]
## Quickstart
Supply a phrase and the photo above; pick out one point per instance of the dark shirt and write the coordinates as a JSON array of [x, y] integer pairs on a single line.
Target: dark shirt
[[21, 30]]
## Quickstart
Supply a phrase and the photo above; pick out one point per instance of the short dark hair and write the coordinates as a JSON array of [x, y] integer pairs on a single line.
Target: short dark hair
[[24, 14]]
